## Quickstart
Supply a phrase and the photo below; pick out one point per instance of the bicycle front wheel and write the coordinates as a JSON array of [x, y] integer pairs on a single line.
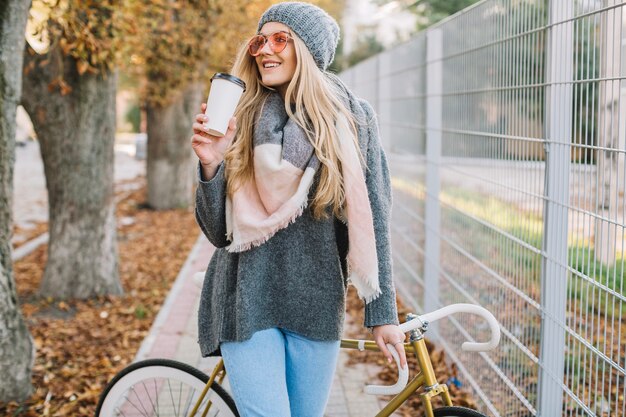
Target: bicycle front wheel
[[162, 388], [456, 412]]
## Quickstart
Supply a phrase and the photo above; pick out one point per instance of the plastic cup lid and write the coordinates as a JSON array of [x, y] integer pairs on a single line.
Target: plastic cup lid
[[230, 78]]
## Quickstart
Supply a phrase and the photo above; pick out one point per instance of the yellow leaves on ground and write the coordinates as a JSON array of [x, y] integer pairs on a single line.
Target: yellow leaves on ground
[[81, 345], [22, 235]]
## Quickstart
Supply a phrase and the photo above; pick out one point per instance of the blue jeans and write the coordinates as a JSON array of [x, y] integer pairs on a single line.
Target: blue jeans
[[278, 373]]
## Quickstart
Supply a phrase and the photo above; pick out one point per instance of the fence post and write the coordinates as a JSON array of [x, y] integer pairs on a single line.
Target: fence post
[[559, 74], [434, 71]]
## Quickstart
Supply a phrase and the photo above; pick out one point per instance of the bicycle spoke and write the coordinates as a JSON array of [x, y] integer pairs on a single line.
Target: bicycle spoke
[[218, 411], [180, 396], [156, 392], [189, 402], [156, 395], [153, 407], [172, 396], [119, 412], [145, 413], [142, 391]]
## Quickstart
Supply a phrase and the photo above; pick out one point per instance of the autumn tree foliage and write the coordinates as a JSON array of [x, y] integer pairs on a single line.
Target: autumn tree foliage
[[165, 50], [169, 44], [172, 50]]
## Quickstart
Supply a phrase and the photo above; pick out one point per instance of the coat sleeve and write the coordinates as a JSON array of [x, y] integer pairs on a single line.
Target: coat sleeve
[[211, 206], [382, 310]]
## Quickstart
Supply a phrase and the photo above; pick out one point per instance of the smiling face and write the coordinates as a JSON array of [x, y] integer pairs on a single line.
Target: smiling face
[[276, 69]]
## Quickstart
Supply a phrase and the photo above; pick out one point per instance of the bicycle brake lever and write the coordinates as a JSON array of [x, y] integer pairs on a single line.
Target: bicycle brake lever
[[403, 378]]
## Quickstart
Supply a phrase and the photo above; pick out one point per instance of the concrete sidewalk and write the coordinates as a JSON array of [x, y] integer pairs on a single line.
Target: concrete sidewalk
[[174, 335]]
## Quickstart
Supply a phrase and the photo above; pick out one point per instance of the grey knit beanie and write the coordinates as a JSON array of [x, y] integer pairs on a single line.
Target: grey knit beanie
[[318, 30]]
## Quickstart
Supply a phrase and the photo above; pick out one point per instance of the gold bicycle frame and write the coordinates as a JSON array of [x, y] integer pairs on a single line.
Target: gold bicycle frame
[[424, 378]]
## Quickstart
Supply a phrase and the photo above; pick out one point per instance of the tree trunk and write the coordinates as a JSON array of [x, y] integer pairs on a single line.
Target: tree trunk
[[16, 345], [76, 132], [170, 162]]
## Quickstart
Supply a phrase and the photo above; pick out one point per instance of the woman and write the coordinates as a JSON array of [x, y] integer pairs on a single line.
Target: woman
[[299, 177]]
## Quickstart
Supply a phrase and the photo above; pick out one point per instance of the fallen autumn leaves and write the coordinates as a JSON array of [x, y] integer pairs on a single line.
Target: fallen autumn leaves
[[82, 344]]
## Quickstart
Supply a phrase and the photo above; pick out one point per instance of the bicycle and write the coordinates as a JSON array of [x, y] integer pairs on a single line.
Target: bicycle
[[160, 387]]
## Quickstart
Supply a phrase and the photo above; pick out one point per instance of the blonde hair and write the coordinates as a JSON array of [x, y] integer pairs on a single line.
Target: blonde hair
[[318, 101]]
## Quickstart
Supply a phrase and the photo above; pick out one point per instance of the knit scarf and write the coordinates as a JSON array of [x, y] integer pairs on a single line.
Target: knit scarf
[[284, 168]]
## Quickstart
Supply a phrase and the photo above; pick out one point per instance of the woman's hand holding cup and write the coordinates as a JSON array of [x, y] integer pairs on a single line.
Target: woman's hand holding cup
[[210, 149]]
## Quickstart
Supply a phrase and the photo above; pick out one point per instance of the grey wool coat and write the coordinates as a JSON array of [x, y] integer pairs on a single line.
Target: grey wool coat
[[297, 279]]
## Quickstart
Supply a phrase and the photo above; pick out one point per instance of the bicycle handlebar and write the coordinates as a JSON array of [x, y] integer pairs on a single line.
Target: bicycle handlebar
[[462, 308], [403, 375]]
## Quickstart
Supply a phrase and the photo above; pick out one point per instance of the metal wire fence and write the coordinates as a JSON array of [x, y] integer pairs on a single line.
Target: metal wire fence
[[505, 133]]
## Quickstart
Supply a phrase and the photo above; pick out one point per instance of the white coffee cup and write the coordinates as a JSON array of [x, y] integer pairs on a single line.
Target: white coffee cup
[[226, 90]]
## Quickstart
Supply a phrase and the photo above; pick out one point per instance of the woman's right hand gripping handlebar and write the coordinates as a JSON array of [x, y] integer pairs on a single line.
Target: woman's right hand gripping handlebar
[[210, 149]]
